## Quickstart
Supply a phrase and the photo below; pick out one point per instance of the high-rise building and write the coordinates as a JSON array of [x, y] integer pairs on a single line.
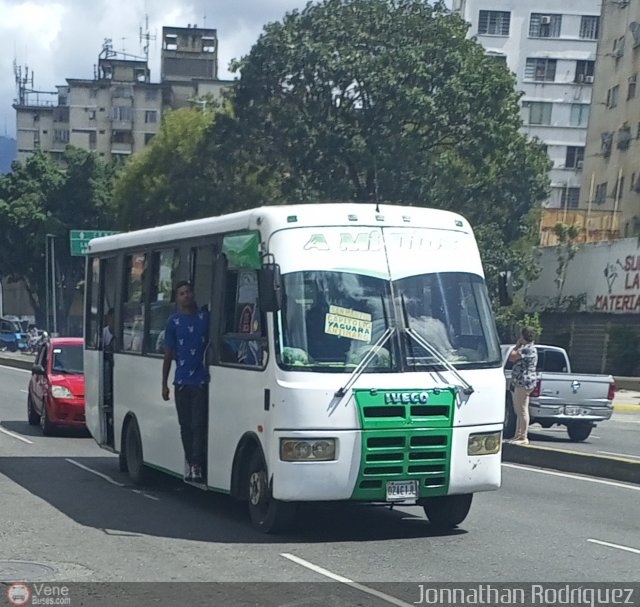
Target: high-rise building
[[550, 46], [119, 110], [611, 186]]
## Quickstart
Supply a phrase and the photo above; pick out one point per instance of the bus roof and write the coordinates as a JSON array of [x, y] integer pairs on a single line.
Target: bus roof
[[288, 216]]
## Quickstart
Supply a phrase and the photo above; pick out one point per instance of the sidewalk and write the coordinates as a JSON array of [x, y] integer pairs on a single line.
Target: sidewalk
[[627, 400]]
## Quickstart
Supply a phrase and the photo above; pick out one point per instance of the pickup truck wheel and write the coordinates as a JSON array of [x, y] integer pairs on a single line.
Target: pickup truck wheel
[[579, 431], [447, 511], [509, 418]]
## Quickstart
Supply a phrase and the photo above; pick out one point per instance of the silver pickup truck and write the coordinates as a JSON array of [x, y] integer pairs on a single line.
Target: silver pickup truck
[[561, 397]]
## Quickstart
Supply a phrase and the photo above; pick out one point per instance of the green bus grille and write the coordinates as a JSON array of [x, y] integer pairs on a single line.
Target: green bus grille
[[404, 439]]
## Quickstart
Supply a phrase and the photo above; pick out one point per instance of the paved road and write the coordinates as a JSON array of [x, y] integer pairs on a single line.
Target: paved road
[[66, 506]]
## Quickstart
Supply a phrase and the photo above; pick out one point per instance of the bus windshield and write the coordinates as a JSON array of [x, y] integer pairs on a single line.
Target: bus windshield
[[451, 312], [330, 320]]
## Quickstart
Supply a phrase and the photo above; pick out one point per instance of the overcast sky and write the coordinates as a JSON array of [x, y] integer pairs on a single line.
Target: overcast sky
[[59, 39]]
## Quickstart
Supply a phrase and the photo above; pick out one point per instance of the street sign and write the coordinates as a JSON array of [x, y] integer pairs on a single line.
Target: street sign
[[79, 239]]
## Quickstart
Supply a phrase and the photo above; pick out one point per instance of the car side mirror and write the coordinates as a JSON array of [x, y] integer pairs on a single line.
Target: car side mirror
[[37, 370], [505, 288], [270, 287]]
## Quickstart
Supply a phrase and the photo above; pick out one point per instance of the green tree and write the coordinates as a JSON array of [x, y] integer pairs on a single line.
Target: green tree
[[40, 197], [387, 100], [166, 182]]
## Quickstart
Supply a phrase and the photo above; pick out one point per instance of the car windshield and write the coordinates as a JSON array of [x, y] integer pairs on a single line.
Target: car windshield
[[67, 359], [10, 326], [451, 312], [330, 320]]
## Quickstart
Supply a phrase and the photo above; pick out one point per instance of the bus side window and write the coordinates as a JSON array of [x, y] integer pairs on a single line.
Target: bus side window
[[133, 306], [164, 268], [243, 328]]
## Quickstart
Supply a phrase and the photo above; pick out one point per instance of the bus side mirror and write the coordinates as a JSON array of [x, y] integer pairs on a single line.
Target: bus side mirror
[[505, 288], [270, 287]]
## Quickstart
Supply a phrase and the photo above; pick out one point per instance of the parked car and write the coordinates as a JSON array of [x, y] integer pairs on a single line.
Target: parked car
[[56, 390], [574, 400], [12, 337]]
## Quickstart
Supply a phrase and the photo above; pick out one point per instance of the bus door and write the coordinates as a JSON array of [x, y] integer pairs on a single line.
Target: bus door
[[100, 344]]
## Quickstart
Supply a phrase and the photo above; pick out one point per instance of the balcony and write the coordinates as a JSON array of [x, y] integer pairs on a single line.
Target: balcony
[[595, 225]]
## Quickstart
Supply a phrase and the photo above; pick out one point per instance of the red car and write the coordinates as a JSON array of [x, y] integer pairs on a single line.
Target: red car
[[56, 389]]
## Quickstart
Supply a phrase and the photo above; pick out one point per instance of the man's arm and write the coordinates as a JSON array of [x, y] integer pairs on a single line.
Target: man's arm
[[166, 368]]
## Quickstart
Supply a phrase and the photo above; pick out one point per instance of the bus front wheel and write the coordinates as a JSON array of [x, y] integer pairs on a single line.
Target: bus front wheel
[[133, 453], [267, 514], [447, 511]]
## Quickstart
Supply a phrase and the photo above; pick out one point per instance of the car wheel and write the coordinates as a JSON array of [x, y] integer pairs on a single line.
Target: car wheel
[[34, 418], [45, 423], [447, 511], [133, 454], [267, 514], [579, 431]]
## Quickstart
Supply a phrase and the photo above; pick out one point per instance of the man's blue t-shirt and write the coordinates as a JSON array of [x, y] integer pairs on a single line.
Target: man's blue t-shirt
[[188, 335]]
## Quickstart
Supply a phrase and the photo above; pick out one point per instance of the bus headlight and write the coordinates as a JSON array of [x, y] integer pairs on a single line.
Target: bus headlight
[[307, 449], [486, 443]]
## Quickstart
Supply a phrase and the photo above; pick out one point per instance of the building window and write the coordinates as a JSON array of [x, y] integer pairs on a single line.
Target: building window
[[541, 70], [61, 135], [579, 114], [589, 27], [612, 96], [601, 193], [574, 158], [606, 141], [624, 137], [584, 71], [570, 198], [208, 44], [540, 112], [545, 26], [150, 116], [122, 137], [125, 92], [494, 23], [631, 91], [122, 113]]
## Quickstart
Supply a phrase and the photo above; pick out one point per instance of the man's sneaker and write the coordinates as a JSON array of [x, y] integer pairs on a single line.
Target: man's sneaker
[[196, 474]]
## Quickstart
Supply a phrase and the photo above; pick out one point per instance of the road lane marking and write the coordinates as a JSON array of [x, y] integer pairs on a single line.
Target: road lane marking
[[107, 478], [619, 454], [15, 369], [618, 546], [588, 479], [14, 435], [344, 580]]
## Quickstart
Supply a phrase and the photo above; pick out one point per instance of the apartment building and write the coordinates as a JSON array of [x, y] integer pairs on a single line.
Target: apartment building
[[119, 110], [612, 162], [550, 46]]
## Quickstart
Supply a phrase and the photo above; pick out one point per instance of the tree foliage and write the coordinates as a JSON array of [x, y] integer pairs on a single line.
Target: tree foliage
[[388, 100], [38, 198]]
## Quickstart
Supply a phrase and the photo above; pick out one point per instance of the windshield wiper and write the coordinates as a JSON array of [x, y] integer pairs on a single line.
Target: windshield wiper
[[366, 359], [467, 387]]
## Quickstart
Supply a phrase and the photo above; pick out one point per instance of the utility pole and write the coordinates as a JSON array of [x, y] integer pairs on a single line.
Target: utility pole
[[47, 318], [54, 285]]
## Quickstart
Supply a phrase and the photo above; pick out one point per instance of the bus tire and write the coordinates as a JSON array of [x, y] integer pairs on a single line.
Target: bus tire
[[267, 514], [34, 418], [447, 511], [579, 431], [133, 453], [509, 418]]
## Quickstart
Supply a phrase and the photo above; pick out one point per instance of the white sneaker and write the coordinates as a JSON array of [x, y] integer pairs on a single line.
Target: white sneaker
[[196, 473]]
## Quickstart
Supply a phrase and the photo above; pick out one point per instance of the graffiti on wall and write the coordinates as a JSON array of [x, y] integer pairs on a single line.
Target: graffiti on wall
[[622, 281]]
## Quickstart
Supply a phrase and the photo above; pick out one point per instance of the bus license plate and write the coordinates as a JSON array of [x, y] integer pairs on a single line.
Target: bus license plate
[[402, 490]]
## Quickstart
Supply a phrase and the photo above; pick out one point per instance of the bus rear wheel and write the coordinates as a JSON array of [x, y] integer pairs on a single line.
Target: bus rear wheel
[[133, 453], [447, 511], [267, 514]]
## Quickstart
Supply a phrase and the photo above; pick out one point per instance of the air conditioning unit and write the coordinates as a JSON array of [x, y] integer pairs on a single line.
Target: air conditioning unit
[[588, 79], [545, 20]]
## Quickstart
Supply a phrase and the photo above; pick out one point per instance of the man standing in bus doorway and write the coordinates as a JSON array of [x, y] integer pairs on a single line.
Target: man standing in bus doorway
[[186, 340], [523, 380]]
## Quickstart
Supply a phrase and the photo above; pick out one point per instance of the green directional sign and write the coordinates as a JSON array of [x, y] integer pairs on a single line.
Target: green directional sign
[[79, 239]]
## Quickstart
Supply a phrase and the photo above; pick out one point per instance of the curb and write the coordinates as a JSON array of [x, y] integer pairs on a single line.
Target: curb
[[625, 407], [614, 468], [16, 363]]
